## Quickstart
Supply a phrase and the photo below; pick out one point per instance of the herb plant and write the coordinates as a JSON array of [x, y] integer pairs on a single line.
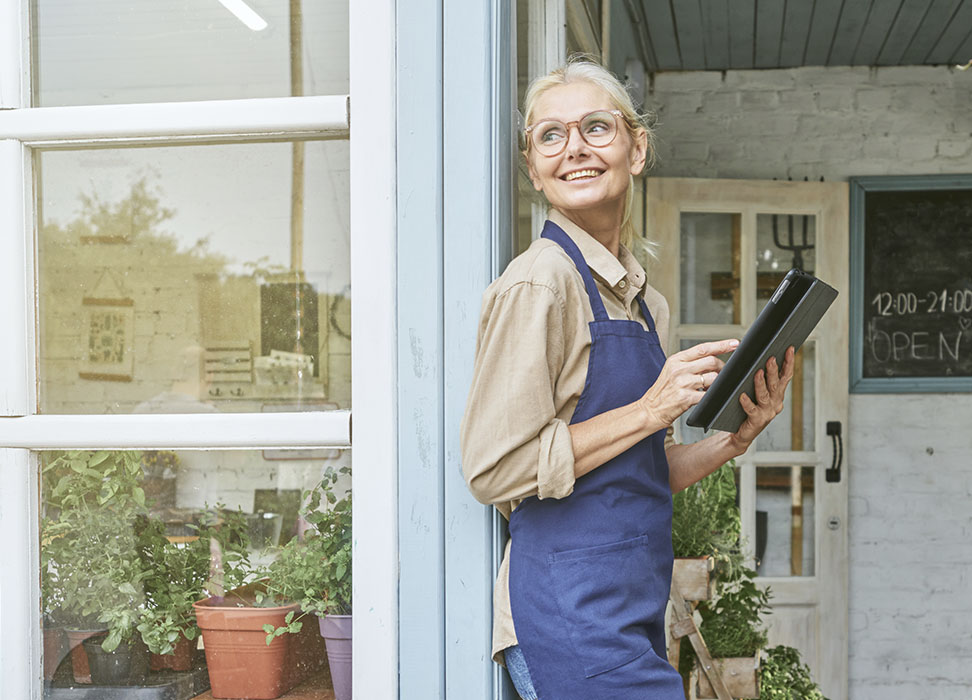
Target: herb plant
[[315, 571], [785, 677]]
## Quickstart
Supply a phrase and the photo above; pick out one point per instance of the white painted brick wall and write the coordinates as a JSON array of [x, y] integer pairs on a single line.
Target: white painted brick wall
[[908, 455]]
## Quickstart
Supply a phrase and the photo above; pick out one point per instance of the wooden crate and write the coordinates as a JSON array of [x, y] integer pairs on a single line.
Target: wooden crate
[[740, 674], [693, 578]]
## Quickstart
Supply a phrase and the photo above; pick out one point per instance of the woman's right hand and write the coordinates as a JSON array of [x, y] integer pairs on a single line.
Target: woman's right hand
[[683, 380]]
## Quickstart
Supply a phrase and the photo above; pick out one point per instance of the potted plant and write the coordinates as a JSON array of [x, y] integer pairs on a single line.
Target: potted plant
[[315, 572], [91, 561], [179, 576], [242, 662], [159, 471], [733, 630], [785, 677]]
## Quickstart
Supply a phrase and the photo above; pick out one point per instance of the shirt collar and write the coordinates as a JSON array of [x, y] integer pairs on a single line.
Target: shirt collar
[[609, 268]]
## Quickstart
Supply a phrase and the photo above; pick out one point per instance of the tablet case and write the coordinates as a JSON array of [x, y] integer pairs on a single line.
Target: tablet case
[[793, 311]]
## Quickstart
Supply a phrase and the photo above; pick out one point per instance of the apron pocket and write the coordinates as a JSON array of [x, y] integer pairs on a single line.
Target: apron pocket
[[604, 593]]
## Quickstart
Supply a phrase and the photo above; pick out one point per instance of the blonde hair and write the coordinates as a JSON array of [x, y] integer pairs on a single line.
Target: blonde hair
[[580, 69]]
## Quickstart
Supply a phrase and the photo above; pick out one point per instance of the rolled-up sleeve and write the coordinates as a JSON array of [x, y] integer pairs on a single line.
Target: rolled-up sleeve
[[513, 443]]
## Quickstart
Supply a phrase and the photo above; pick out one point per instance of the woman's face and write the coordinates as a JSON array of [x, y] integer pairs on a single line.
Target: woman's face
[[583, 179]]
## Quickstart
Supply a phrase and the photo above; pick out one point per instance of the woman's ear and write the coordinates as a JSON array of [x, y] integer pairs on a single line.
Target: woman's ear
[[639, 152]]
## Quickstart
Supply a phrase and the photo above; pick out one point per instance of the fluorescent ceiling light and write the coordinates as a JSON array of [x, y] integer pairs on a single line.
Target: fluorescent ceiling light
[[245, 14]]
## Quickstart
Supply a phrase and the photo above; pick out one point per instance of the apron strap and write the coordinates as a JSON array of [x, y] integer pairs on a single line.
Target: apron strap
[[646, 313], [556, 234]]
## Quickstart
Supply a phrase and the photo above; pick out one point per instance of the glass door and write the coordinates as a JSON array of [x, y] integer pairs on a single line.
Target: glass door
[[724, 247]]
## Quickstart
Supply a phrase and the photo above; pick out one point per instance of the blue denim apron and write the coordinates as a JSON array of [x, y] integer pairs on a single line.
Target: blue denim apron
[[590, 573]]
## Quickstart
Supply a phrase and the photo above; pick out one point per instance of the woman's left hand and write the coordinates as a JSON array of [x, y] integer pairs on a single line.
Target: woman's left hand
[[771, 385]]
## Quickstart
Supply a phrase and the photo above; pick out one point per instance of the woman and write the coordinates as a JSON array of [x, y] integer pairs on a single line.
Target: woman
[[566, 423]]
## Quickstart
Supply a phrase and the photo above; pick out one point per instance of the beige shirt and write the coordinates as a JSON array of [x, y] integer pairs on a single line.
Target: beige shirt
[[531, 365]]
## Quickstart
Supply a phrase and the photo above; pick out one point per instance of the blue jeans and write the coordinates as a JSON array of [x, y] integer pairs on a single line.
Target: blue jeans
[[516, 665]]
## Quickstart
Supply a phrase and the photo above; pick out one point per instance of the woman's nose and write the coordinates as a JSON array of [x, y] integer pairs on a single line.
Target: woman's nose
[[575, 142]]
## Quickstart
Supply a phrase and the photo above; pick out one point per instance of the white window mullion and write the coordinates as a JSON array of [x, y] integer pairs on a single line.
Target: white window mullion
[[373, 349], [19, 579], [179, 431], [325, 115], [14, 283], [13, 77]]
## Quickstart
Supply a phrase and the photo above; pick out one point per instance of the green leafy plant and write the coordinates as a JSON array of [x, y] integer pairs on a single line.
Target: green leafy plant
[[91, 563], [785, 677], [705, 520], [315, 571], [732, 624], [179, 575]]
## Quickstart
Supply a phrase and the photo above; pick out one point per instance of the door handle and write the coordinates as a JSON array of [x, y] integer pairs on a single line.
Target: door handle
[[833, 473]]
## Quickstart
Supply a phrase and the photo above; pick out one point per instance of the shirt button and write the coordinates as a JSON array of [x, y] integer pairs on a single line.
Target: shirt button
[[622, 284]]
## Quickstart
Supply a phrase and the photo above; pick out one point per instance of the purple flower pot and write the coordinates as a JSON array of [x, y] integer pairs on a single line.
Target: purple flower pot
[[336, 630]]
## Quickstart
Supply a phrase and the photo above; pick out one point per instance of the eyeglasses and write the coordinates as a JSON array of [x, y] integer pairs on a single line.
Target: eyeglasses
[[598, 129]]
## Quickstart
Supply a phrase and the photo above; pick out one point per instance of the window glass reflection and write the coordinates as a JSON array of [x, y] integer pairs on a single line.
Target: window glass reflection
[[122, 51], [785, 521], [194, 279], [145, 555]]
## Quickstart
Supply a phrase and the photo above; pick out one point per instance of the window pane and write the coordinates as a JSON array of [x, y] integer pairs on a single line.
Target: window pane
[[710, 268], [194, 279], [122, 51], [785, 521], [130, 540], [794, 430], [782, 241]]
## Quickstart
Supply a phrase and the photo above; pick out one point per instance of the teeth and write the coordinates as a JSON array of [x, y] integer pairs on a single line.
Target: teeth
[[580, 173]]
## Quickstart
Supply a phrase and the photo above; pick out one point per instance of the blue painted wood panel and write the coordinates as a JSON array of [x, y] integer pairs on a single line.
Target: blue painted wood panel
[[742, 33], [715, 17], [902, 32], [926, 37], [853, 15], [954, 35], [769, 33], [826, 14], [421, 523], [796, 29], [691, 38], [875, 33], [661, 29], [467, 250]]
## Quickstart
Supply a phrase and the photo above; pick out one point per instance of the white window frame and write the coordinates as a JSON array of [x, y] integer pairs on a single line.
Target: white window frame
[[373, 345]]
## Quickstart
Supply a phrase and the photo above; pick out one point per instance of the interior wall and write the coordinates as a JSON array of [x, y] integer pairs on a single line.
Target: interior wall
[[907, 458]]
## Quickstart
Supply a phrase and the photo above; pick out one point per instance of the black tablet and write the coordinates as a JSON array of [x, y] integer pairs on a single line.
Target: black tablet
[[789, 316]]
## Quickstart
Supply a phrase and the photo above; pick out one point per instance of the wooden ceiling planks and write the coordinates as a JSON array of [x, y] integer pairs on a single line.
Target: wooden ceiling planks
[[826, 14], [953, 36], [715, 17], [769, 33], [691, 38], [853, 16], [795, 33], [742, 33], [910, 17], [875, 32], [661, 29], [927, 35]]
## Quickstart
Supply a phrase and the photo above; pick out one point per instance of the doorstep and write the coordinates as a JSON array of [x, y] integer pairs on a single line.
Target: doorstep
[[317, 687]]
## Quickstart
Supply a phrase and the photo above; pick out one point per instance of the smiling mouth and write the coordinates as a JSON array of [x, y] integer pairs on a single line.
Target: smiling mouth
[[589, 174]]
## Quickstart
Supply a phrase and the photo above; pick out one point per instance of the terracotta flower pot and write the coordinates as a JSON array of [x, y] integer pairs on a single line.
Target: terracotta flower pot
[[54, 650], [79, 658], [179, 660], [241, 663]]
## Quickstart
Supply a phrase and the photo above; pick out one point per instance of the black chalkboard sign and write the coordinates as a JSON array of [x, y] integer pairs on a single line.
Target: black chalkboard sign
[[911, 315]]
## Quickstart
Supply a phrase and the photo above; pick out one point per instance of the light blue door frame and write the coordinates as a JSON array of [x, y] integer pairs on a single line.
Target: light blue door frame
[[455, 87]]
